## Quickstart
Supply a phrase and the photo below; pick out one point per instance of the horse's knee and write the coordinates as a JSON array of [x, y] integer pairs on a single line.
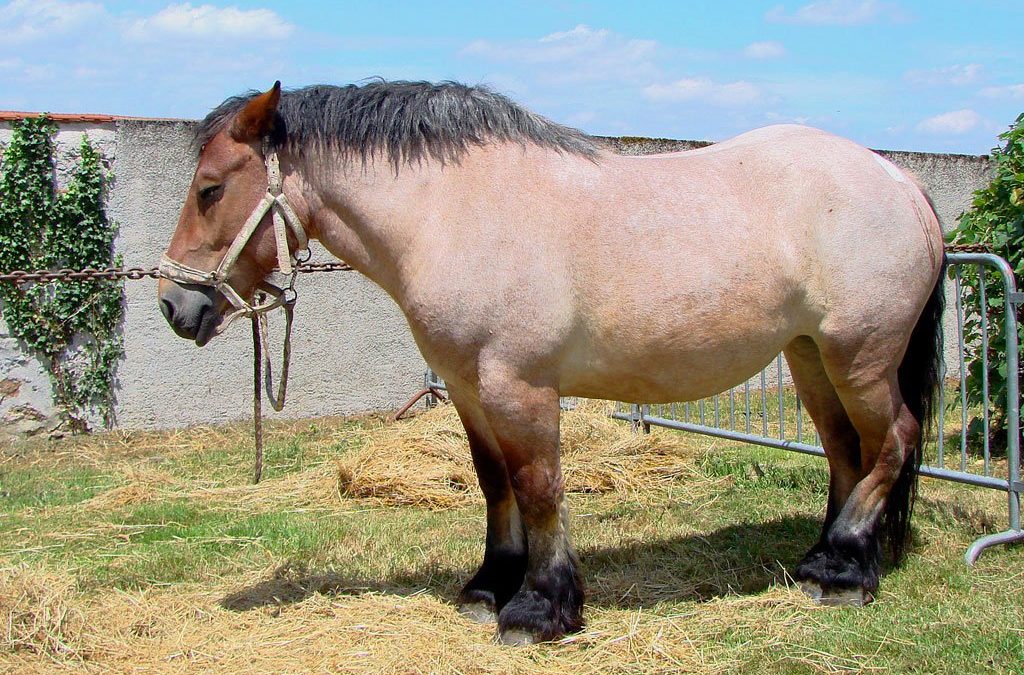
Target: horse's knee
[[550, 601]]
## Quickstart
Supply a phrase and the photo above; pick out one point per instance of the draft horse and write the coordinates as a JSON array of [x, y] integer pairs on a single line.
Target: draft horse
[[532, 263]]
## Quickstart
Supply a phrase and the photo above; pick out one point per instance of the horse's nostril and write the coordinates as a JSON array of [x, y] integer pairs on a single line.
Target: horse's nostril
[[167, 309]]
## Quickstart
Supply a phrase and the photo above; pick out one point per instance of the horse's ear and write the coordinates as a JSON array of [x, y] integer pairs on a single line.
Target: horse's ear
[[255, 120]]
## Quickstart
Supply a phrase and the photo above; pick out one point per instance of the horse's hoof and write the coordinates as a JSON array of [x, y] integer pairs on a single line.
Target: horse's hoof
[[479, 612], [515, 637], [836, 597], [811, 590]]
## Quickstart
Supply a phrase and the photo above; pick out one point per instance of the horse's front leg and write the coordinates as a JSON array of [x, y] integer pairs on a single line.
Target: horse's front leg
[[504, 564], [524, 419]]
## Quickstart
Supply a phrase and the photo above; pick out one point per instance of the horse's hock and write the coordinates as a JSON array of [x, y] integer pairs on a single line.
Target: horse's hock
[[374, 365]]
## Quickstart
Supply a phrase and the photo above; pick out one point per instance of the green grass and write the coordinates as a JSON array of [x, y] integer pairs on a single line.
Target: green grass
[[26, 487], [731, 536]]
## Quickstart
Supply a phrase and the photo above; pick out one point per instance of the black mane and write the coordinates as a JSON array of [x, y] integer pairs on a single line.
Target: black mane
[[409, 121]]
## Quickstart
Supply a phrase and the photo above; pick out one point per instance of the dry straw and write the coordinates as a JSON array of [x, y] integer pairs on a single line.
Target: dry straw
[[38, 613], [190, 629], [425, 461]]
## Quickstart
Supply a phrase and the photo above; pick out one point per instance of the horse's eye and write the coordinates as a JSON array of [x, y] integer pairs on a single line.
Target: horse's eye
[[209, 193]]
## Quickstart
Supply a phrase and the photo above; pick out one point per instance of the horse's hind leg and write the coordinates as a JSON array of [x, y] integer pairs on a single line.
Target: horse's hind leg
[[838, 437], [844, 567], [504, 565], [524, 418]]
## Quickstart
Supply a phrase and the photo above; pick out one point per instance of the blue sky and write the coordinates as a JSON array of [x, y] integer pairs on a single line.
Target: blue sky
[[906, 74]]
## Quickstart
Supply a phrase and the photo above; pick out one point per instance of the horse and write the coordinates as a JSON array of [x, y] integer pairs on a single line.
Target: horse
[[532, 262]]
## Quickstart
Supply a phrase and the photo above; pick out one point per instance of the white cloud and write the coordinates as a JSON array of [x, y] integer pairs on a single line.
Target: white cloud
[[956, 75], [836, 13], [28, 20], [704, 90], [955, 122], [582, 54], [777, 118], [209, 22], [764, 50], [1012, 91], [581, 41]]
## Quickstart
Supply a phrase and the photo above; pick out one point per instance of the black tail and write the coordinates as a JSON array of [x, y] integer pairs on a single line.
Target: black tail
[[919, 381]]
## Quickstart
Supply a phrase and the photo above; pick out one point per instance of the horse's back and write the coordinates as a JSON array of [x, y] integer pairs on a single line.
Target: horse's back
[[791, 203], [710, 261]]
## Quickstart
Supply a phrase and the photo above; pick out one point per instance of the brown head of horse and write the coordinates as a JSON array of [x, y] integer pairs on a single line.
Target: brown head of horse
[[517, 250], [228, 258]]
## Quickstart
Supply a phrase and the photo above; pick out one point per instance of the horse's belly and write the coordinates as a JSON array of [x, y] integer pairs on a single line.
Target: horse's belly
[[683, 370]]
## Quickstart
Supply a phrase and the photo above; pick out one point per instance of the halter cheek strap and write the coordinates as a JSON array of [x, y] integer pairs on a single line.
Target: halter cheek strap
[[284, 219]]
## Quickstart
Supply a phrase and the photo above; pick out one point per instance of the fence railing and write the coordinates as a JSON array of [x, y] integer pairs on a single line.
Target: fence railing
[[766, 411]]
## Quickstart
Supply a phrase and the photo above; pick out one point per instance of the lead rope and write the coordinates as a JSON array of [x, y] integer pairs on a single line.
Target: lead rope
[[257, 398], [262, 374], [262, 369]]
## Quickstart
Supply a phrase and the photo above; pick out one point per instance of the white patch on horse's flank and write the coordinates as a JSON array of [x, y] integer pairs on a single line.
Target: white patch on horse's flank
[[891, 169]]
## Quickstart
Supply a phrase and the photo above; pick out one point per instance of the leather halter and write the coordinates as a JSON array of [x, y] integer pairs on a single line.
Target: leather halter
[[284, 219]]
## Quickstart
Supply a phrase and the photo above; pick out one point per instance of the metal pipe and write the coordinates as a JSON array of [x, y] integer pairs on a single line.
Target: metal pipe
[[804, 448], [983, 312], [963, 370], [764, 406], [782, 400], [746, 402]]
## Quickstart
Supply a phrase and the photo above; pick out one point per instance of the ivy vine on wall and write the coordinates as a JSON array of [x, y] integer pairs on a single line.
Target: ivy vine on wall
[[71, 327]]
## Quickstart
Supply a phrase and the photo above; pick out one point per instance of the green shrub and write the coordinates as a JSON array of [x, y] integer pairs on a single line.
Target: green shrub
[[996, 219]]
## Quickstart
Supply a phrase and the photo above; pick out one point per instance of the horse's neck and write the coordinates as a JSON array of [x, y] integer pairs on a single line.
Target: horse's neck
[[385, 222], [372, 217]]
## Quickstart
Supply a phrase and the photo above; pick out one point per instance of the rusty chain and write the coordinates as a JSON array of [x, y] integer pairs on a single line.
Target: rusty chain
[[115, 273], [968, 248]]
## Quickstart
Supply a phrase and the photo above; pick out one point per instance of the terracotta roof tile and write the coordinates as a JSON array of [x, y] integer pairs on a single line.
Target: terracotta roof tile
[[67, 118]]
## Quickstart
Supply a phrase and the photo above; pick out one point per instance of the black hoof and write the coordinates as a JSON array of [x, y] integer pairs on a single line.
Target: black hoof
[[843, 574], [498, 579], [549, 610]]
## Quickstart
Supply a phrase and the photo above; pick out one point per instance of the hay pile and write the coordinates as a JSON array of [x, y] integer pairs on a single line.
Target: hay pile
[[425, 461], [142, 484], [189, 628], [37, 615]]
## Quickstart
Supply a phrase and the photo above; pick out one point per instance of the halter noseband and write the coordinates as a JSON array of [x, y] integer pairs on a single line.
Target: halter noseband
[[284, 218]]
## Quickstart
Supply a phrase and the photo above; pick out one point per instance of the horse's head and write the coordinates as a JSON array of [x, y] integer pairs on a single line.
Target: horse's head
[[230, 184]]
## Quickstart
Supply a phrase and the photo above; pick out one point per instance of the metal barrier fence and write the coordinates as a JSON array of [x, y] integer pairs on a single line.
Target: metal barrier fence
[[765, 411]]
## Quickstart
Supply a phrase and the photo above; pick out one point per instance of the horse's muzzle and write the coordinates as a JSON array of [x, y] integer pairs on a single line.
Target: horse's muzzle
[[191, 310]]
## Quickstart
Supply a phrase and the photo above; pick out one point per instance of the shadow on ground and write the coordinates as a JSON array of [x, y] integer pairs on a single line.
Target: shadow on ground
[[745, 558]]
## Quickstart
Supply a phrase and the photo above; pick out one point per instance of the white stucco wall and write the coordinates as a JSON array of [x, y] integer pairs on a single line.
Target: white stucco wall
[[352, 349]]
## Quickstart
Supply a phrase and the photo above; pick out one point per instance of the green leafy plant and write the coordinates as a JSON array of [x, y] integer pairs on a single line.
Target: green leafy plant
[[72, 327], [996, 219]]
